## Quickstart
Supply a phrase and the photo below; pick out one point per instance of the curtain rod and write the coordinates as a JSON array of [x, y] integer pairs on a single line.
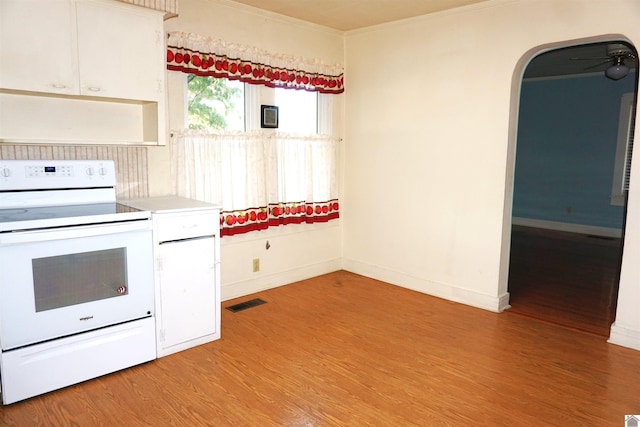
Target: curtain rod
[[171, 135]]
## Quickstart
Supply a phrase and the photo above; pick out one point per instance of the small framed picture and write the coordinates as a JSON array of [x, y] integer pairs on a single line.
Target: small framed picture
[[269, 114]]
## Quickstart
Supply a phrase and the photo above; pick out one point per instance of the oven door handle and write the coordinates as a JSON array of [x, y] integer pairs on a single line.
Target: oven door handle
[[73, 232]]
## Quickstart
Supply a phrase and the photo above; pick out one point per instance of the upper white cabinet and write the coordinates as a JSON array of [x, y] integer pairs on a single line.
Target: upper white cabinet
[[70, 69], [38, 46], [120, 51]]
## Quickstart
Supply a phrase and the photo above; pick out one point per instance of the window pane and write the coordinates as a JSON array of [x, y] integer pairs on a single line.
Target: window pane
[[215, 104], [298, 110]]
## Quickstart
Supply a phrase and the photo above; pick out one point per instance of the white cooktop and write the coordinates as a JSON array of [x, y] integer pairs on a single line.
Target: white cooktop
[[37, 194], [168, 204]]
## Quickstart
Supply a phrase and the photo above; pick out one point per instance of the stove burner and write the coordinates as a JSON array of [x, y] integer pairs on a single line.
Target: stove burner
[[7, 215], [12, 211]]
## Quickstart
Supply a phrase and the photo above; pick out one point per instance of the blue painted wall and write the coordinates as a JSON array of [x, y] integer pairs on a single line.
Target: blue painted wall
[[565, 151]]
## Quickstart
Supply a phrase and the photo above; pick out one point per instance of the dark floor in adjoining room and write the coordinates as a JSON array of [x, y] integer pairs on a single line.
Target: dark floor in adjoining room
[[567, 279]]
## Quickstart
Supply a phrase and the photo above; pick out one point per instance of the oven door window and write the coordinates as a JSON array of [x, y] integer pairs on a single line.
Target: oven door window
[[64, 280]]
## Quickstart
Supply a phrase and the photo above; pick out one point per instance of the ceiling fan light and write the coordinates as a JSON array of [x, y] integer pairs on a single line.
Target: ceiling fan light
[[617, 71]]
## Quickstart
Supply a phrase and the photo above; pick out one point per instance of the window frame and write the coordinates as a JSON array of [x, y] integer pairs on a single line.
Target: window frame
[[624, 149]]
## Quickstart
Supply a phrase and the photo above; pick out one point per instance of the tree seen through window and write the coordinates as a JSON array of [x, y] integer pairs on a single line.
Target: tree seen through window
[[215, 104]]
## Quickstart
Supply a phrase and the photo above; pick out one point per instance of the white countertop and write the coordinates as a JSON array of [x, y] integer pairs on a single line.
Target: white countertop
[[168, 204]]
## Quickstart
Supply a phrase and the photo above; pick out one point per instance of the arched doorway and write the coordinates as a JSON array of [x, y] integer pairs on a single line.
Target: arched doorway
[[567, 220]]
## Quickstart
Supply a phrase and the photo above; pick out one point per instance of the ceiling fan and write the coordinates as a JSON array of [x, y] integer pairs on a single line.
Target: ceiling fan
[[617, 54]]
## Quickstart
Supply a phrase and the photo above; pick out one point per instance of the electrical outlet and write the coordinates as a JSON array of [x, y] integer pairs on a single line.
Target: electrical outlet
[[256, 264]]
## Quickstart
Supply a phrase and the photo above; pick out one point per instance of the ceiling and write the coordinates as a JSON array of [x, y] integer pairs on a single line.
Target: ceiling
[[345, 15]]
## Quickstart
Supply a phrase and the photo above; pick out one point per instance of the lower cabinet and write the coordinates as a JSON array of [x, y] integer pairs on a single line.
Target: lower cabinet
[[187, 279], [186, 238]]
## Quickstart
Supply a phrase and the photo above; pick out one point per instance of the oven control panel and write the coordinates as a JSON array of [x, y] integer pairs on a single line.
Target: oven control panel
[[56, 174], [39, 171]]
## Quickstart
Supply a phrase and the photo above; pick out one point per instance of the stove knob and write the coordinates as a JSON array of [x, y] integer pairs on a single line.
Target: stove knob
[[103, 171], [90, 171], [5, 172]]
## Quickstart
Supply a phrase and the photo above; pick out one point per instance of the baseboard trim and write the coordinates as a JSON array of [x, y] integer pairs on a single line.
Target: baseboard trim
[[624, 337], [568, 227], [429, 287], [262, 283]]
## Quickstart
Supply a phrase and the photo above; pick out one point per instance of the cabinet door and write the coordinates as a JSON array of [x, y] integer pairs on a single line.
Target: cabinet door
[[38, 46], [187, 290], [120, 51]]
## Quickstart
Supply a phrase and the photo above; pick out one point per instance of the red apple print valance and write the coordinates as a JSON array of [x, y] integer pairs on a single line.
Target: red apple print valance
[[203, 56], [253, 219]]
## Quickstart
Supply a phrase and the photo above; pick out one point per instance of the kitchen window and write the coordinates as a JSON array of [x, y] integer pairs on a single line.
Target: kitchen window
[[260, 177], [219, 104]]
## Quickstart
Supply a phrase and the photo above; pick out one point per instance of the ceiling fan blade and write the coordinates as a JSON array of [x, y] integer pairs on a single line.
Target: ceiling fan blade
[[598, 64], [592, 58]]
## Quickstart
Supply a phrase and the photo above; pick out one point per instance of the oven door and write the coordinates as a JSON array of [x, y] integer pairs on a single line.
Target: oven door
[[61, 281]]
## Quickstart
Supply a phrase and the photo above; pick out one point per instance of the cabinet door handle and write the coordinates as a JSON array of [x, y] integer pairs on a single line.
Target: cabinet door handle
[[58, 85], [93, 89], [186, 239]]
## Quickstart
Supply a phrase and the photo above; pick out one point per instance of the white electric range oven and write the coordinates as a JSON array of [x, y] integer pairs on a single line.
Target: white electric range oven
[[76, 277]]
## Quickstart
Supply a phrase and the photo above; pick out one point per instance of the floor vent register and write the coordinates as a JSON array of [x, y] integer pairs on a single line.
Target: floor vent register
[[247, 304]]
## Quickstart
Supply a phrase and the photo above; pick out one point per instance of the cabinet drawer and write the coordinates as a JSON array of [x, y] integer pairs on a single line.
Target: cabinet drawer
[[184, 226]]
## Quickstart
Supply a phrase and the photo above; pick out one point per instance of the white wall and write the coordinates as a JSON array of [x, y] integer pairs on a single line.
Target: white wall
[[430, 111], [430, 129], [296, 251]]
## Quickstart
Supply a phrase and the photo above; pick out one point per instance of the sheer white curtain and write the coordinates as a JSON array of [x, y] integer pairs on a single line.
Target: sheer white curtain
[[259, 178], [306, 168], [227, 169]]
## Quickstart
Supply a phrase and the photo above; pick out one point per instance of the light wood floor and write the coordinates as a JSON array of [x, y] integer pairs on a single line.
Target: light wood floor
[[344, 350]]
